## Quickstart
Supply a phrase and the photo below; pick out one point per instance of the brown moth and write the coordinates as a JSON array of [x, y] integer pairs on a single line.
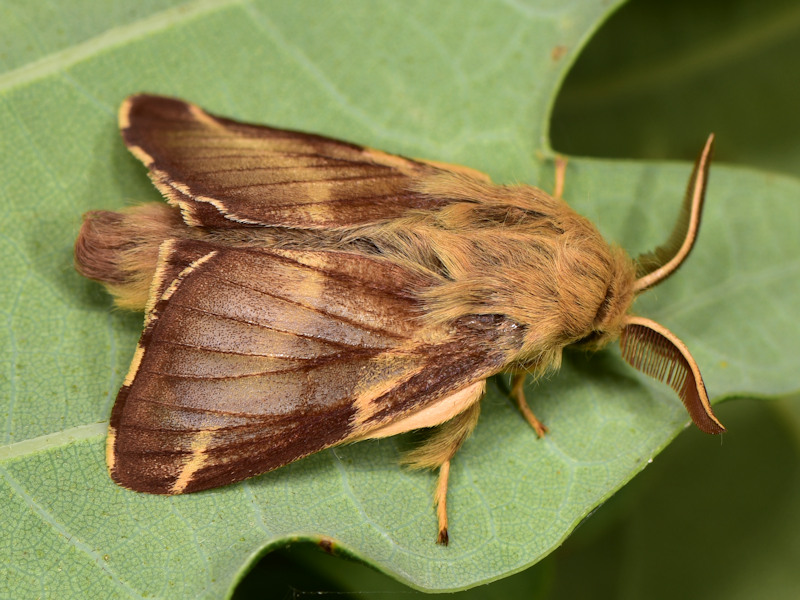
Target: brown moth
[[302, 292]]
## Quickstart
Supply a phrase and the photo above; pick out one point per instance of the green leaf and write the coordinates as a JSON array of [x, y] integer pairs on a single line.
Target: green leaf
[[702, 522], [471, 84]]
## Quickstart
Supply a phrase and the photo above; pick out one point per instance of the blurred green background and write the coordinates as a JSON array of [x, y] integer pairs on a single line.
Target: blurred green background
[[659, 75], [724, 523]]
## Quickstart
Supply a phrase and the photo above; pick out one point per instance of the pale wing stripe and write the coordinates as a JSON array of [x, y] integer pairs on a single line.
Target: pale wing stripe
[[290, 167], [311, 183], [320, 311], [332, 160], [240, 353], [351, 200], [258, 418], [266, 326]]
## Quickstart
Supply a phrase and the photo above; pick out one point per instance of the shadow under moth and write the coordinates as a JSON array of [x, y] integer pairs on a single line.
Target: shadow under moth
[[302, 292]]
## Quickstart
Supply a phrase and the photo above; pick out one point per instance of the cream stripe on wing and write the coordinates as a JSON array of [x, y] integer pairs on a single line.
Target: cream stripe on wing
[[439, 412], [196, 460], [164, 250]]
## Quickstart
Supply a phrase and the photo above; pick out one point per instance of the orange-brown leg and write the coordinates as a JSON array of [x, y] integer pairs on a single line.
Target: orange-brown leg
[[437, 452], [440, 502], [518, 393]]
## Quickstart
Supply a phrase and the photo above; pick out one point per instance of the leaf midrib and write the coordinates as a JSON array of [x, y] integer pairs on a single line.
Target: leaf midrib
[[50, 441], [60, 61]]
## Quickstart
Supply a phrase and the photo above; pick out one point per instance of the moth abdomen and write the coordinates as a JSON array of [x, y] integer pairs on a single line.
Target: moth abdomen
[[98, 246], [120, 249]]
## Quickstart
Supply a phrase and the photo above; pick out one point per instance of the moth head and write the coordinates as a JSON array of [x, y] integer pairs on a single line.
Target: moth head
[[646, 345]]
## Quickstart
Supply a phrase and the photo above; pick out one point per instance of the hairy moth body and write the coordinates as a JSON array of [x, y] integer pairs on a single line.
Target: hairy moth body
[[302, 292]]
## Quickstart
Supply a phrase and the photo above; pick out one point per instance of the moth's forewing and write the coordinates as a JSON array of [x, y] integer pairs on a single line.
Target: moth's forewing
[[251, 359], [223, 173]]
